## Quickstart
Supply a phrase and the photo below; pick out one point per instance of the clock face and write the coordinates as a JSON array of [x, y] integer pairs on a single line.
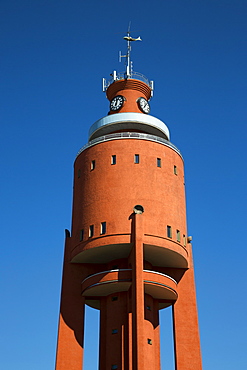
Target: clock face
[[117, 102], [143, 105]]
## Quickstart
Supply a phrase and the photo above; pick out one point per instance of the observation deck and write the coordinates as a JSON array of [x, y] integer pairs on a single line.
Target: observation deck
[[159, 286], [129, 121], [123, 76], [129, 135]]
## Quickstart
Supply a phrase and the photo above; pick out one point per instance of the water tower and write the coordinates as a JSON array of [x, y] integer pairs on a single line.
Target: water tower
[[128, 253]]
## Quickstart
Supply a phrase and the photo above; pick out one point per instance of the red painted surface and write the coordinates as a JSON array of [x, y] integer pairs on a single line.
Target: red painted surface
[[102, 189], [186, 329], [131, 90], [108, 271], [71, 319]]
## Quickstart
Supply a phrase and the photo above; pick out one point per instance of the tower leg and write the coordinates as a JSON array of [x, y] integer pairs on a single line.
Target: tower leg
[[71, 320], [185, 323], [145, 324], [138, 295], [114, 332]]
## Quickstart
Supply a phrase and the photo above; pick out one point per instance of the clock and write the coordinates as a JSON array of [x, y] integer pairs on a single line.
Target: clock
[[117, 102], [143, 105]]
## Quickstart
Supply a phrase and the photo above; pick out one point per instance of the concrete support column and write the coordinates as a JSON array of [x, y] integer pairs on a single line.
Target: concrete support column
[[113, 331], [138, 339], [185, 321], [71, 320]]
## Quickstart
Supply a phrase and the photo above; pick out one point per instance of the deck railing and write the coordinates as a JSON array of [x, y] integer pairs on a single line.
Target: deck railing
[[129, 135]]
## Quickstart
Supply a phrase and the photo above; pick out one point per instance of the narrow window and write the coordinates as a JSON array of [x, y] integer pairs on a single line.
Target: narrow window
[[158, 162], [91, 231], [136, 158], [92, 165], [103, 228], [114, 298], [150, 341], [114, 331], [178, 236], [114, 367], [184, 238], [81, 235], [169, 231], [79, 174], [148, 308], [175, 170], [113, 159]]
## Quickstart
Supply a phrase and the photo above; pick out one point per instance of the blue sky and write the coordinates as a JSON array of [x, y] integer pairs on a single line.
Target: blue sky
[[53, 57]]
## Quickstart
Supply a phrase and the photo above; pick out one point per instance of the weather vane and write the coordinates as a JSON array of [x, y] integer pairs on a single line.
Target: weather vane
[[129, 39]]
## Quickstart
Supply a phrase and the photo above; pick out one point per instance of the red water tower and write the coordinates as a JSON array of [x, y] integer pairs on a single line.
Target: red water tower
[[128, 253]]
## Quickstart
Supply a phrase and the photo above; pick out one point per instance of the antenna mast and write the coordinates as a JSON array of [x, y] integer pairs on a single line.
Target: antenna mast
[[128, 67], [128, 38]]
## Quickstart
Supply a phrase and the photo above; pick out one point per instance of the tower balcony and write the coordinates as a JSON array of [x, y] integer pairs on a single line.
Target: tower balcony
[[116, 77], [159, 251], [129, 135], [129, 121], [159, 286]]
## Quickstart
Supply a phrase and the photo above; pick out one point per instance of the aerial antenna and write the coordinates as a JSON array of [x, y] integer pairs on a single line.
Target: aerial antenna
[[129, 39]]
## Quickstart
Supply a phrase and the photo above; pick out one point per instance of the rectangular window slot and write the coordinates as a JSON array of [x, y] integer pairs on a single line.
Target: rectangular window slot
[[114, 331], [158, 162], [150, 341], [92, 165], [114, 298], [178, 236], [184, 238], [113, 159], [91, 231], [103, 228], [79, 174], [169, 231], [148, 308], [175, 170], [136, 158], [81, 235]]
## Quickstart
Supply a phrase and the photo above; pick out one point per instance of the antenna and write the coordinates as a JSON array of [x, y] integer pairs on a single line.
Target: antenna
[[129, 39]]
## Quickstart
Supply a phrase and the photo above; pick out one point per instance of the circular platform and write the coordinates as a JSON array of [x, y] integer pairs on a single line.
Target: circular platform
[[159, 286], [129, 121]]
